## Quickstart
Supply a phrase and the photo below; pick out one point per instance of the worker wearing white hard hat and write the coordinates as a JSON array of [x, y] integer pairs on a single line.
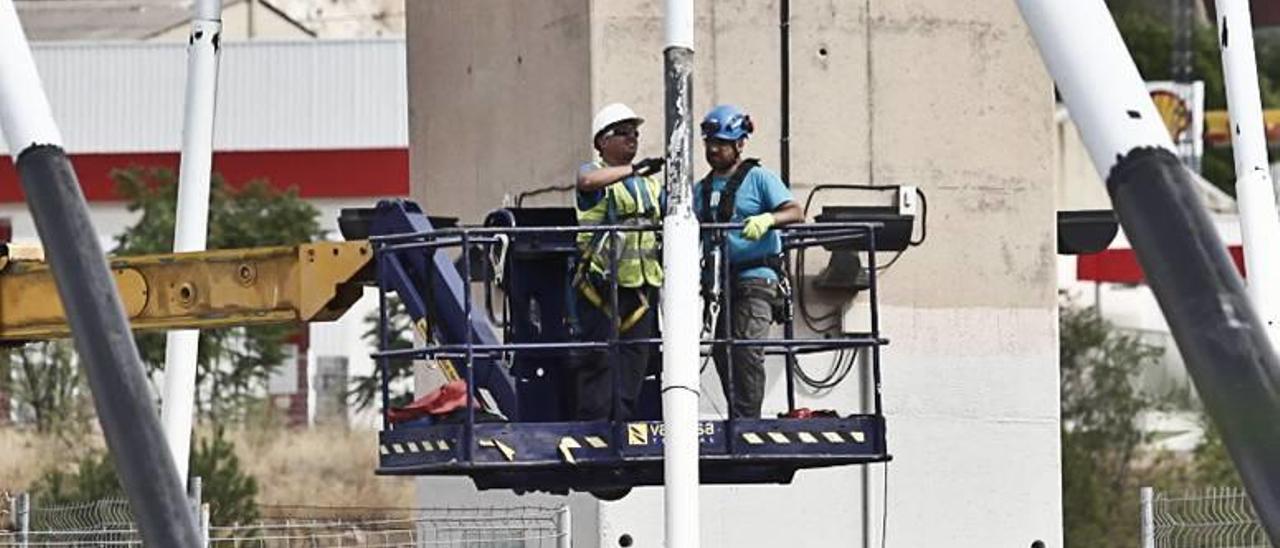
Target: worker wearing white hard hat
[[612, 190]]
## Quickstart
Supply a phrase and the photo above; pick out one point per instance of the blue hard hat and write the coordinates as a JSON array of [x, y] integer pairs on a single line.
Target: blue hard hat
[[726, 122]]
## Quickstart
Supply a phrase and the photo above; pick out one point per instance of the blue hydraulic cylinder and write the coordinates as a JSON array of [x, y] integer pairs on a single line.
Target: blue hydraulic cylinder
[[432, 290]]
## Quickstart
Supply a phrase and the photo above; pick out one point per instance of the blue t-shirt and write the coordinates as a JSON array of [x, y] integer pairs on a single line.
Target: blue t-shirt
[[761, 191]]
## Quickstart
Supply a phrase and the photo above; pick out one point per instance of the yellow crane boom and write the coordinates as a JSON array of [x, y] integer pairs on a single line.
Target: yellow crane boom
[[304, 283]]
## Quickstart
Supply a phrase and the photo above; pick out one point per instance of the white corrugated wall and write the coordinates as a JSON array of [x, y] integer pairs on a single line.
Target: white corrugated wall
[[128, 96]]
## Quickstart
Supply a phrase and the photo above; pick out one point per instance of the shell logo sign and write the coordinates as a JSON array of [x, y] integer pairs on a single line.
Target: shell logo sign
[[1181, 107], [1173, 111]]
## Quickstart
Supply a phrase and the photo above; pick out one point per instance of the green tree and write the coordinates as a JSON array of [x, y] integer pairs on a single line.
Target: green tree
[[229, 490], [93, 479], [45, 382], [366, 390], [234, 362], [1212, 465], [1100, 436]]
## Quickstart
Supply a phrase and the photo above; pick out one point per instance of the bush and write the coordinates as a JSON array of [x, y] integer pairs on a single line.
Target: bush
[[228, 489]]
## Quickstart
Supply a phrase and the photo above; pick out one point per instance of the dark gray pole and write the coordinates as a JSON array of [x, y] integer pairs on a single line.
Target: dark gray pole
[[1221, 339], [1220, 336], [87, 289], [784, 64]]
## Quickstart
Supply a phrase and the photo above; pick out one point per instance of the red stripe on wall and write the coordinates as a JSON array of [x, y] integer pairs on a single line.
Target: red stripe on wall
[[1121, 266], [315, 173]]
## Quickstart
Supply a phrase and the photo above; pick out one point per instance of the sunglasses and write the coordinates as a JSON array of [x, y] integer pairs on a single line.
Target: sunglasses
[[632, 133]]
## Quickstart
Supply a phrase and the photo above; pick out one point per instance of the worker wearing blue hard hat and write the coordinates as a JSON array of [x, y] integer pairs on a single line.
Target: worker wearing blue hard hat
[[740, 190]]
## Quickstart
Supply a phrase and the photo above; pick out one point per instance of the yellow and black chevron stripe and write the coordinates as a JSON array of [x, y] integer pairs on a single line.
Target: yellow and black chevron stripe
[[829, 437], [569, 443], [414, 447]]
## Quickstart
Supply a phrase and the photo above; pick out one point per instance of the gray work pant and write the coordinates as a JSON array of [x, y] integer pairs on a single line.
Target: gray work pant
[[750, 311]]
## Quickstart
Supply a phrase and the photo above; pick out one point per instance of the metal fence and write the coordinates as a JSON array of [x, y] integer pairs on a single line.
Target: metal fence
[[108, 523], [1215, 517]]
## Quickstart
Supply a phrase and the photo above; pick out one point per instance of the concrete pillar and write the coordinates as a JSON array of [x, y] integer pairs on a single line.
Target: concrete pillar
[[948, 95]]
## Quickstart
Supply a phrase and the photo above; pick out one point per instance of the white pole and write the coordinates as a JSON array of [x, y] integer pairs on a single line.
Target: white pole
[[24, 110], [192, 219], [564, 528], [680, 259], [1148, 521], [679, 26], [1255, 196], [123, 400], [1083, 51]]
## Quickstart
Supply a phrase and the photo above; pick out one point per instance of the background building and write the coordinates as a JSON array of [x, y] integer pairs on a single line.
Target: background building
[[169, 20], [325, 117]]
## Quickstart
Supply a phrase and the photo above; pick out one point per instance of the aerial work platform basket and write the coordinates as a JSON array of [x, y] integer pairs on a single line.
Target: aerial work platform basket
[[512, 351]]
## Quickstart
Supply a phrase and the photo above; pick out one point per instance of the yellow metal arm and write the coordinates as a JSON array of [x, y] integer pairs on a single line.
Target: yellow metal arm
[[305, 283]]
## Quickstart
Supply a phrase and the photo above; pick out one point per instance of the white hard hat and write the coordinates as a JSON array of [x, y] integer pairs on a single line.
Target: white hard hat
[[611, 114]]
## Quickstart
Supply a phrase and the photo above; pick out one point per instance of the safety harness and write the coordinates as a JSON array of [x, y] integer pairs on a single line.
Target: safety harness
[[723, 213], [589, 285]]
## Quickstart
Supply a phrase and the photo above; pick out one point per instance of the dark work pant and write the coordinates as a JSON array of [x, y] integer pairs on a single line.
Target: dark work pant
[[751, 313], [593, 381]]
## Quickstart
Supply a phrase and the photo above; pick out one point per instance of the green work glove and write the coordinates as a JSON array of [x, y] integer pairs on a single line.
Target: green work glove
[[757, 225]]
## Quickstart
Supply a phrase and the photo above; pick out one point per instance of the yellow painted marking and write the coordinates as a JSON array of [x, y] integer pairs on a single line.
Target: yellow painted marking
[[808, 438], [596, 443], [399, 449], [833, 437], [858, 437], [638, 433], [752, 438], [422, 329], [503, 448], [442, 445], [411, 447], [779, 437], [567, 445], [426, 446], [384, 450], [448, 370]]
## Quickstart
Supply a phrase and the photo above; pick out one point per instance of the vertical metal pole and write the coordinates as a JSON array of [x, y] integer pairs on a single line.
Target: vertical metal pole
[[867, 389], [195, 492], [564, 528], [469, 432], [22, 515], [192, 219], [616, 241], [204, 525], [680, 253], [1227, 351], [1183, 14], [1259, 221], [1148, 518], [789, 332], [123, 399], [384, 337], [726, 282], [784, 56], [872, 295]]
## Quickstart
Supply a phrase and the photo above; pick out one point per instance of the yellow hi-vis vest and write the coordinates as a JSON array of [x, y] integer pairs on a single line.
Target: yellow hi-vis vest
[[632, 201]]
